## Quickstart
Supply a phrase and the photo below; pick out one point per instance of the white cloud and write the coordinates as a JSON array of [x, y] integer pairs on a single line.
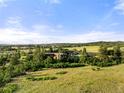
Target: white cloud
[[114, 24], [120, 6], [15, 36], [14, 22], [44, 33], [47, 29], [15, 32], [96, 36], [52, 1], [4, 3]]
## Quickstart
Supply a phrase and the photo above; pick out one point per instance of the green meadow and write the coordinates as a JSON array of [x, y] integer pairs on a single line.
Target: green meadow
[[75, 80]]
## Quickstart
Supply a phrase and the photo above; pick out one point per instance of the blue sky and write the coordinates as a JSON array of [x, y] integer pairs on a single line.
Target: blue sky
[[61, 21]]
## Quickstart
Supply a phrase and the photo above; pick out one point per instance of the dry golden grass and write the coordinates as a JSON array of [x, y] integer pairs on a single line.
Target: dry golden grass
[[76, 80], [89, 48]]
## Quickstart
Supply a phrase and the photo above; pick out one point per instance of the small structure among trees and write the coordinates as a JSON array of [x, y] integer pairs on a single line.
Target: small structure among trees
[[54, 55]]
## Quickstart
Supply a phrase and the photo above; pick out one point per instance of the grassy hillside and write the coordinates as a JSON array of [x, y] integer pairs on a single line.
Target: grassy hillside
[[75, 80]]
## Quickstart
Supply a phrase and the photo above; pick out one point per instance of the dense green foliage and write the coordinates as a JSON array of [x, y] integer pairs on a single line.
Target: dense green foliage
[[108, 57], [10, 88]]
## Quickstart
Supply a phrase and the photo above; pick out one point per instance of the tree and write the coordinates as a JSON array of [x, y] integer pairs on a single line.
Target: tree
[[1, 77], [103, 53], [117, 54], [50, 49], [38, 57], [30, 51], [83, 56], [29, 57], [15, 59], [103, 50], [49, 60], [7, 76], [2, 60], [19, 70]]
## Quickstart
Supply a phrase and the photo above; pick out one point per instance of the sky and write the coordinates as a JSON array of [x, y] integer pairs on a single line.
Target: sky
[[61, 21]]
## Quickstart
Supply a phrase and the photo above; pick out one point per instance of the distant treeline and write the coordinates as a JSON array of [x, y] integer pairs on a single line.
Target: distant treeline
[[108, 44]]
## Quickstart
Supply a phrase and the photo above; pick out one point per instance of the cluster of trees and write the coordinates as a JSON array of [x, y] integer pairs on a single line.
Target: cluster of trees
[[37, 60], [10, 66], [106, 57]]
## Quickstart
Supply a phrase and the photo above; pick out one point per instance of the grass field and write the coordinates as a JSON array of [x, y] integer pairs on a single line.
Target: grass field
[[75, 80], [89, 48]]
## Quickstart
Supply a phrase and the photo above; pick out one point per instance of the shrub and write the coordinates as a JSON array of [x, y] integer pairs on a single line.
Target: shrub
[[32, 78], [62, 72], [10, 88], [59, 65], [76, 65], [65, 65], [46, 78], [96, 69]]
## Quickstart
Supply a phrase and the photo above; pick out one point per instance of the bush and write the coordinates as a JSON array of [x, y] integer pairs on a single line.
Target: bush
[[46, 78], [76, 65], [60, 65], [10, 88], [32, 78], [18, 70], [62, 72], [65, 65], [96, 69], [105, 64]]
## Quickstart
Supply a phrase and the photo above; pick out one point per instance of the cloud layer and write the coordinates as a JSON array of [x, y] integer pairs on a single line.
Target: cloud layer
[[4, 3], [120, 6], [16, 36], [52, 1], [16, 33]]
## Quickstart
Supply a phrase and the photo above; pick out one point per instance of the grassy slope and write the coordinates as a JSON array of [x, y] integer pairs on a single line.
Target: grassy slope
[[77, 80]]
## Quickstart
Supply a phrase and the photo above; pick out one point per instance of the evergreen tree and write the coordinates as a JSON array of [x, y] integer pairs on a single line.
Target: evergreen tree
[[38, 57], [103, 50], [2, 60], [49, 60], [15, 59], [117, 54], [83, 56], [50, 49], [103, 56]]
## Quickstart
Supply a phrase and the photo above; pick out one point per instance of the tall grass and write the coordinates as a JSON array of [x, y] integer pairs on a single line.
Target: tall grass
[[77, 80]]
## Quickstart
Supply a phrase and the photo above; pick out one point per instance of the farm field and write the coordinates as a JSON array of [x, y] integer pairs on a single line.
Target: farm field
[[94, 49], [76, 80], [89, 48]]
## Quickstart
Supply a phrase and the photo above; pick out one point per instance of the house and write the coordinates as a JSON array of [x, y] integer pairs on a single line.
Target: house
[[54, 55]]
